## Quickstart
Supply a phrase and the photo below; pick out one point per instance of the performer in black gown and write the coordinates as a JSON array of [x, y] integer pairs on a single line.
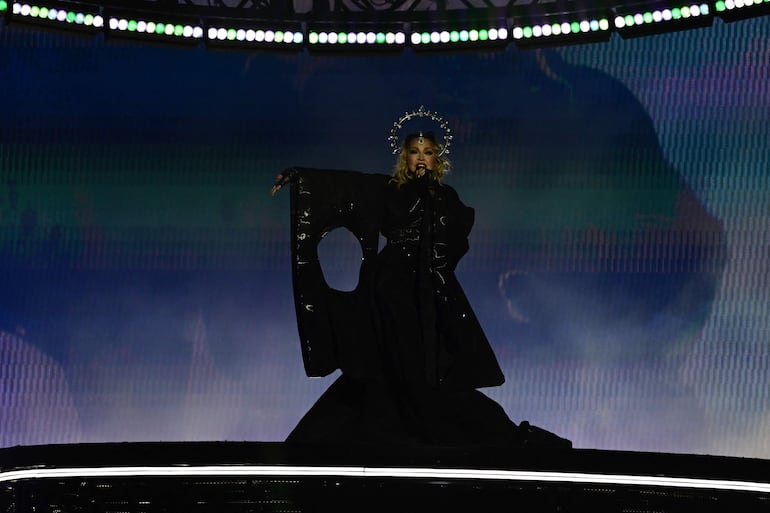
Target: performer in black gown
[[411, 350]]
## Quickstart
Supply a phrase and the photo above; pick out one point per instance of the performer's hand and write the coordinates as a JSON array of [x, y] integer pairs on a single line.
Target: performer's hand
[[279, 182], [282, 179]]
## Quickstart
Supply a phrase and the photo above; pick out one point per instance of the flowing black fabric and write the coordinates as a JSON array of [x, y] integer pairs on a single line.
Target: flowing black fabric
[[336, 329], [410, 348]]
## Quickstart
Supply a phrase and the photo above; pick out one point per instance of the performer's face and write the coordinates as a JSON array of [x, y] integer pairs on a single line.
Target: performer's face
[[420, 155]]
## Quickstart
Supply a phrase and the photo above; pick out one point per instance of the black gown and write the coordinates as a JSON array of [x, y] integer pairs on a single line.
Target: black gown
[[412, 353]]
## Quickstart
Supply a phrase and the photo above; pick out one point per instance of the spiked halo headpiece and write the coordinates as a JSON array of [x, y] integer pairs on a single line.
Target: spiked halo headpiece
[[395, 143]]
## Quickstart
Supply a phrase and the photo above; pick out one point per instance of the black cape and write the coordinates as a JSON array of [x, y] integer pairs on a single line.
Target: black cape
[[410, 349]]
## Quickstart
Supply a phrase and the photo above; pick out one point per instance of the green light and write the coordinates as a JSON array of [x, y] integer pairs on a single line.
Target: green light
[[178, 30], [556, 29], [160, 28], [473, 35], [231, 34], [279, 35], [685, 12], [676, 13], [131, 26], [312, 38], [629, 20], [648, 17], [342, 38], [3, 6], [380, 38], [454, 36], [574, 27], [43, 12], [483, 35], [527, 32], [88, 19], [34, 11]]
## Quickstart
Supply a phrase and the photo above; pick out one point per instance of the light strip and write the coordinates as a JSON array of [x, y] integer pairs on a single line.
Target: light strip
[[574, 28], [662, 15], [465, 36], [363, 38], [155, 28], [255, 36], [730, 5], [54, 15], [387, 472]]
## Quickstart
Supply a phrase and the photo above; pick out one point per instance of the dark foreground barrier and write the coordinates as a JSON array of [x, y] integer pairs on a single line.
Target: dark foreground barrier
[[276, 477]]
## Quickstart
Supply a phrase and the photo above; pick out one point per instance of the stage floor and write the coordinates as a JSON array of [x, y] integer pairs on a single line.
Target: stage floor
[[272, 477]]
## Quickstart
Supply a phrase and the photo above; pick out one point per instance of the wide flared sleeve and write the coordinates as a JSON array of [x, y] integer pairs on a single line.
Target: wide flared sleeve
[[336, 328]]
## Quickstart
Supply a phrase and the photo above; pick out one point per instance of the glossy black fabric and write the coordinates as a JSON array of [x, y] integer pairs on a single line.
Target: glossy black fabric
[[426, 322], [411, 350], [337, 329]]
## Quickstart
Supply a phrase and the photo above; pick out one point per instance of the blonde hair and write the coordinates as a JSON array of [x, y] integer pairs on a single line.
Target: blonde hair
[[401, 174]]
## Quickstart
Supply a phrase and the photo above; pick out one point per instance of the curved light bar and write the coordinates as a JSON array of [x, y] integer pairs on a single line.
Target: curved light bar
[[530, 24]]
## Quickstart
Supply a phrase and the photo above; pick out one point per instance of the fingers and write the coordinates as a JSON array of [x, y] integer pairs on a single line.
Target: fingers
[[279, 181], [283, 178]]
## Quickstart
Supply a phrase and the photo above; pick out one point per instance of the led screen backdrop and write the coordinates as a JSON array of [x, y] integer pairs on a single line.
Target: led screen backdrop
[[618, 263]]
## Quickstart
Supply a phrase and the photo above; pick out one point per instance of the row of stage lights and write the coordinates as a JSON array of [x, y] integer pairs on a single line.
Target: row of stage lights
[[545, 29]]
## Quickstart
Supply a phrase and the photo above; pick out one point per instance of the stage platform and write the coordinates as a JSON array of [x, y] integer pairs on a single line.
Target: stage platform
[[277, 477]]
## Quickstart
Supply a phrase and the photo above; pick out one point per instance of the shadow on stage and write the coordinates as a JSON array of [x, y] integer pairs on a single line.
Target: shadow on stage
[[273, 477]]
